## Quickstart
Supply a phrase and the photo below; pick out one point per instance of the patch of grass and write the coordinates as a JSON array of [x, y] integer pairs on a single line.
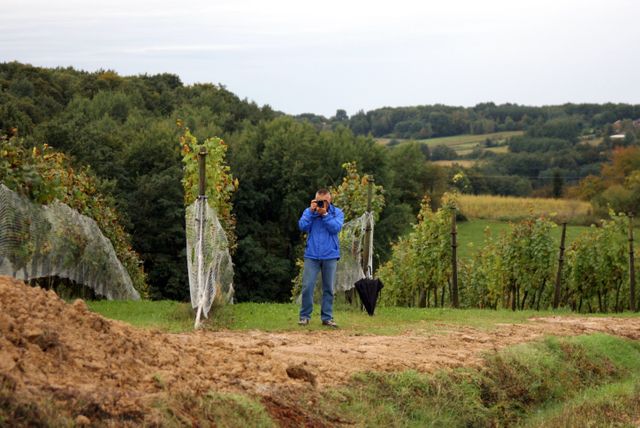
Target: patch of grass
[[513, 385], [387, 320], [212, 409], [616, 404], [162, 314], [463, 143], [470, 140], [178, 317]]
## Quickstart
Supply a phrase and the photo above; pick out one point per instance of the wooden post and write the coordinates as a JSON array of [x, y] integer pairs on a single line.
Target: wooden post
[[202, 156], [556, 295], [454, 261], [632, 268]]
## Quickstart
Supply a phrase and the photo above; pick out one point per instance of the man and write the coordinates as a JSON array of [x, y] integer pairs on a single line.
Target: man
[[321, 221]]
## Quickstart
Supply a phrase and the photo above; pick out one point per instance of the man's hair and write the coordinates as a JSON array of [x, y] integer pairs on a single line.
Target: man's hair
[[323, 191]]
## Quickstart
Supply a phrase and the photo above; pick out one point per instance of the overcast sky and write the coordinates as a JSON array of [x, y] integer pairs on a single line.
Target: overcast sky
[[302, 56]]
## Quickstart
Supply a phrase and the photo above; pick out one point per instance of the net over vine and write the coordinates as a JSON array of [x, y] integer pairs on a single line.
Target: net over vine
[[353, 250], [54, 240], [208, 259]]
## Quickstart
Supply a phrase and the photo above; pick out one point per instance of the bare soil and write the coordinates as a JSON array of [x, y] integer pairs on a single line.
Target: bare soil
[[102, 368]]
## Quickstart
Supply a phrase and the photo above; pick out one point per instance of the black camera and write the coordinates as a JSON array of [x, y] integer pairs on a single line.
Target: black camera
[[320, 204]]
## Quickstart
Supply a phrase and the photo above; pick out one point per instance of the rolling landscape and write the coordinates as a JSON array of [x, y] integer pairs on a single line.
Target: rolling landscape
[[157, 229]]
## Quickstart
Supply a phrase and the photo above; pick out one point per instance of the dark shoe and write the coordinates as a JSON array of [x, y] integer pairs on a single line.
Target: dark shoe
[[330, 323], [303, 321]]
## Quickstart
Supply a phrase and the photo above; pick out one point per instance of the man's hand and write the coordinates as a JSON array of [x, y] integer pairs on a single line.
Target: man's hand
[[314, 206]]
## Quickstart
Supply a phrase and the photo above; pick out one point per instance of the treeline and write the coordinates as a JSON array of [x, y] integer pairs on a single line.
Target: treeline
[[420, 122], [124, 129]]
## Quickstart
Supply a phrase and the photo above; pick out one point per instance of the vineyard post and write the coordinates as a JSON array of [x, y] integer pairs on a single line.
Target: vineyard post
[[202, 156], [556, 296], [632, 272], [454, 260]]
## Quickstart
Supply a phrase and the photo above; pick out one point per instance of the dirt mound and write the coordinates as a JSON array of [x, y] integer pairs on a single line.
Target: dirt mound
[[100, 369]]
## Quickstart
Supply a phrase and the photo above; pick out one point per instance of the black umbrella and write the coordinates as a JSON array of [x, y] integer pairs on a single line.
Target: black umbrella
[[369, 290]]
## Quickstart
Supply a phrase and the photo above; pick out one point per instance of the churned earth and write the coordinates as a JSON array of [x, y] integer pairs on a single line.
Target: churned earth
[[100, 369]]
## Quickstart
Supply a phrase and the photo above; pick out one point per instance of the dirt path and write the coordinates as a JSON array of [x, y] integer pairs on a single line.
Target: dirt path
[[50, 347]]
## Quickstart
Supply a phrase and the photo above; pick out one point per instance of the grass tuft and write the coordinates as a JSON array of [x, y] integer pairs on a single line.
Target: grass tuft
[[225, 410]]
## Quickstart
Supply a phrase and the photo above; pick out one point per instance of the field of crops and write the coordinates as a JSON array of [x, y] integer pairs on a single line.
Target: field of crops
[[507, 208]]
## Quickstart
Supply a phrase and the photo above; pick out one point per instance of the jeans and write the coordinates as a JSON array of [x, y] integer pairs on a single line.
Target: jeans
[[311, 269]]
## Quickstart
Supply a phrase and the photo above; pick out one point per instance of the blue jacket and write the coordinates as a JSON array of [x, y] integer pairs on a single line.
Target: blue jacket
[[322, 240]]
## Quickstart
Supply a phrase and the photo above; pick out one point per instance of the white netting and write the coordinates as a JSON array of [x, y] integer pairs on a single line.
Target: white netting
[[352, 249], [39, 241], [208, 259]]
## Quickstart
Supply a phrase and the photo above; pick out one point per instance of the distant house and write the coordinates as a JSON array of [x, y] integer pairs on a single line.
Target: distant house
[[617, 137]]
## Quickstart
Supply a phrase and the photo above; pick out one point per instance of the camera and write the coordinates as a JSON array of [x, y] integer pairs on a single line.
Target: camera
[[320, 204]]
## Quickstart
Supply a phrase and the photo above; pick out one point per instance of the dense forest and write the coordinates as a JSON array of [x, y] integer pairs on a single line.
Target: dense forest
[[124, 130]]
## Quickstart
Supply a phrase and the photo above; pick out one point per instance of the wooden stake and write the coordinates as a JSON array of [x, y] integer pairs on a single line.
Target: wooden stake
[[556, 295], [632, 268], [454, 261], [202, 156]]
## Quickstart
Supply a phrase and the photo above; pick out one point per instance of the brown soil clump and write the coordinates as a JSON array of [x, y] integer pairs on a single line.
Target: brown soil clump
[[103, 370]]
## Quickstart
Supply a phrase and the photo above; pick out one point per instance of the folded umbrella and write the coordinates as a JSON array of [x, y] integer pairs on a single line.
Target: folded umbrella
[[369, 290]]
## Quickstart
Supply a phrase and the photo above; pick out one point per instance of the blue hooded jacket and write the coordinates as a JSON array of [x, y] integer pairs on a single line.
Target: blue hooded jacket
[[322, 240]]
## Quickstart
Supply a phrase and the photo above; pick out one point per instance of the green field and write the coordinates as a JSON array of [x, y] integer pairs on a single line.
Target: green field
[[471, 234], [464, 144]]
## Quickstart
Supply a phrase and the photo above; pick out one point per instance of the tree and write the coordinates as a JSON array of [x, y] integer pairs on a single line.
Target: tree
[[280, 164], [558, 182]]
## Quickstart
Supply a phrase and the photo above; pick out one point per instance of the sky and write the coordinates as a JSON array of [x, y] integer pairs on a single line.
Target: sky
[[319, 56]]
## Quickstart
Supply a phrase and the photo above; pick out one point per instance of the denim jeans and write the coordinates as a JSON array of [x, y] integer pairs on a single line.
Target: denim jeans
[[311, 269]]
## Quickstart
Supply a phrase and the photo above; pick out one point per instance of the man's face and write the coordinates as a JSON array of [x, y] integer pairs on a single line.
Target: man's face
[[326, 198]]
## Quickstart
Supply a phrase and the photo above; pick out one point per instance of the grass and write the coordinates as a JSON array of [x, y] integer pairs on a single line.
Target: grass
[[165, 315], [510, 208], [468, 139], [471, 234], [387, 320], [616, 404], [543, 383], [282, 317], [178, 317], [217, 409], [465, 143]]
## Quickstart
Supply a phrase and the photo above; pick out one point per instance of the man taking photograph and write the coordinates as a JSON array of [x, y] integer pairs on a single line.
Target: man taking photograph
[[322, 222]]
